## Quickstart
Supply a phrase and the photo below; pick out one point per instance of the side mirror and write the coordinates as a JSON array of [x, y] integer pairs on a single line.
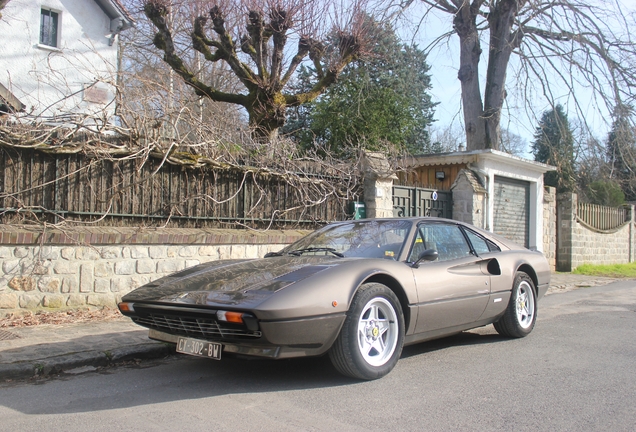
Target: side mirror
[[427, 255]]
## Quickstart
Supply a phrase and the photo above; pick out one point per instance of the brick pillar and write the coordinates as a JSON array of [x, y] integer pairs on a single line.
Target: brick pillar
[[566, 219]]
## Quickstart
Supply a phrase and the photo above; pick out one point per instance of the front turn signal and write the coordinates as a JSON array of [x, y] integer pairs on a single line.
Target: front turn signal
[[126, 308], [231, 317]]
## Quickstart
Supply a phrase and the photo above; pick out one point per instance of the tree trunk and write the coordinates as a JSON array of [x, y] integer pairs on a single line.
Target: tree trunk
[[502, 42], [470, 52], [267, 113]]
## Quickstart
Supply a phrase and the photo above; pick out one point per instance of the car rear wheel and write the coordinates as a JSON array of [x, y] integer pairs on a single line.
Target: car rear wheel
[[370, 342], [521, 314]]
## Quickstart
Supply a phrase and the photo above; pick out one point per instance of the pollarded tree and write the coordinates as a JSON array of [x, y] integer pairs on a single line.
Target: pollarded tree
[[251, 37], [382, 99], [554, 145], [155, 101], [559, 45]]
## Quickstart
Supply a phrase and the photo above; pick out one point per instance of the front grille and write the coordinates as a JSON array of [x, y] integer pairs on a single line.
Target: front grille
[[201, 328]]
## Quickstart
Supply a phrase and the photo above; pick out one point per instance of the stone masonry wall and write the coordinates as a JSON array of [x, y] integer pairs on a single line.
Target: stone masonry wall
[[578, 244], [590, 247], [57, 270]]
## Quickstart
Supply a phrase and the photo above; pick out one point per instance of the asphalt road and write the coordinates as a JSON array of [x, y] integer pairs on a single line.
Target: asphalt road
[[576, 372]]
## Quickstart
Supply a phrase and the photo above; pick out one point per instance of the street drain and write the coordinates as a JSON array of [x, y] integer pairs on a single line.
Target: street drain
[[5, 335]]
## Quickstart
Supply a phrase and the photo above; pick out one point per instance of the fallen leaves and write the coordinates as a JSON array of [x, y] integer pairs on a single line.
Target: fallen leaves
[[61, 317]]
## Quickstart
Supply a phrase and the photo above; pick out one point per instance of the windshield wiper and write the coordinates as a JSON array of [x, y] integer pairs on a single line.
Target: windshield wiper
[[299, 252], [272, 254]]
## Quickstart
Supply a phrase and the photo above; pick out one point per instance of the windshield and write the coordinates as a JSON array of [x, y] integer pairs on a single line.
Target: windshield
[[369, 239]]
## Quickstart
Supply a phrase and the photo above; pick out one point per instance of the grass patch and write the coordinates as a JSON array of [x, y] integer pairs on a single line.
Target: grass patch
[[610, 270]]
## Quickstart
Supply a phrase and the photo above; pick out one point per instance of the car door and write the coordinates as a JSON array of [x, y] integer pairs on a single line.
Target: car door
[[454, 289]]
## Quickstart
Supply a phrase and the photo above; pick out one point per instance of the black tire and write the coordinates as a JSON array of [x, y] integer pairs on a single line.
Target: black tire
[[372, 336], [521, 313]]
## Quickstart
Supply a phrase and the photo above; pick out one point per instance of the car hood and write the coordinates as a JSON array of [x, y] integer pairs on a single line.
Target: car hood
[[232, 282]]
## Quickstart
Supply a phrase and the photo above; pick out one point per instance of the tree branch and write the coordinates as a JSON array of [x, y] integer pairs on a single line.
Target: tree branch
[[157, 13]]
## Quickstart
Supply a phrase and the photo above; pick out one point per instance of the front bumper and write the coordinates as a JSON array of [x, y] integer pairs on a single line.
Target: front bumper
[[277, 339]]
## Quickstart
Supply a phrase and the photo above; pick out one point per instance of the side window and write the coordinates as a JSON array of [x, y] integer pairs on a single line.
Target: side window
[[447, 240], [48, 27], [479, 244]]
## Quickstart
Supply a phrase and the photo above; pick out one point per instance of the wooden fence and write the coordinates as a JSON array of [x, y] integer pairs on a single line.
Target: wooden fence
[[36, 186], [601, 217]]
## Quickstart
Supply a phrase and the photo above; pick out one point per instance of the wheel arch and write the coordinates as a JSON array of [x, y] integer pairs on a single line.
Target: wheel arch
[[397, 289], [527, 269]]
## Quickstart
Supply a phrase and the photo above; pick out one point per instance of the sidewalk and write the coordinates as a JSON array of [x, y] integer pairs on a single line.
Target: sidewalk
[[47, 349]]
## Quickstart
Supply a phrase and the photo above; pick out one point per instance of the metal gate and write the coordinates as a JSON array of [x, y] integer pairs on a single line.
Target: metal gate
[[412, 201]]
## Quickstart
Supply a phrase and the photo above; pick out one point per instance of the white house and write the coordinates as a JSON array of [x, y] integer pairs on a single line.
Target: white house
[[59, 57]]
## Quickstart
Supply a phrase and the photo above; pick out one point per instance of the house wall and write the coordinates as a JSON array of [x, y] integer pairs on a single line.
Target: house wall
[[51, 81], [49, 270]]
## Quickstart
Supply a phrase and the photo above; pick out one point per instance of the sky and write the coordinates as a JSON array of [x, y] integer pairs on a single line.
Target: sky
[[444, 61]]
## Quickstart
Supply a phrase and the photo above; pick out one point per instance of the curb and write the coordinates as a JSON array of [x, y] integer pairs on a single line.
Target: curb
[[67, 362]]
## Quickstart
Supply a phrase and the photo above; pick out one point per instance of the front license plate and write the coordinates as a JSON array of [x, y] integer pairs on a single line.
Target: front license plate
[[199, 348]]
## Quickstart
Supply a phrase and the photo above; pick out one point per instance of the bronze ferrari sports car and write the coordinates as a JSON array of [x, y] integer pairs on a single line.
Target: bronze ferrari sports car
[[355, 290]]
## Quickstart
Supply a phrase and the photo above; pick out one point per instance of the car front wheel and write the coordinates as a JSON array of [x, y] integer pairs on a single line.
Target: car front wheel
[[370, 342], [521, 314]]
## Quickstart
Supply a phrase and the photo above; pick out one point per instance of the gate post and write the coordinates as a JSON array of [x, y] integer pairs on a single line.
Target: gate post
[[469, 203], [566, 220], [378, 185]]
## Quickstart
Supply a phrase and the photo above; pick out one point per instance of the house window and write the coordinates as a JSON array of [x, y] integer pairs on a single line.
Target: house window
[[48, 27]]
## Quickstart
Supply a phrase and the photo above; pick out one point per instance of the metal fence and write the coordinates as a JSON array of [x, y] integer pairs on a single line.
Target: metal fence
[[602, 217], [35, 186]]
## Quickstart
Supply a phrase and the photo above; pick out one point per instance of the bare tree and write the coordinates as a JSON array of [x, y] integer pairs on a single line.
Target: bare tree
[[568, 44], [448, 138], [251, 38], [513, 143]]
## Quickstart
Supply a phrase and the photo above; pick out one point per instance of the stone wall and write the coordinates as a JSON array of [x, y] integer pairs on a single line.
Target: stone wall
[[578, 244], [94, 267]]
